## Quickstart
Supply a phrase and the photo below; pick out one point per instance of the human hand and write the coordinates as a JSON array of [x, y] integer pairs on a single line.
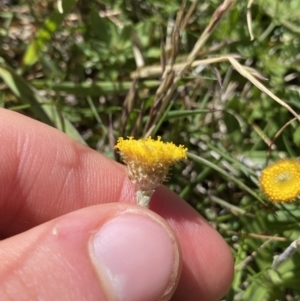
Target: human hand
[[72, 232]]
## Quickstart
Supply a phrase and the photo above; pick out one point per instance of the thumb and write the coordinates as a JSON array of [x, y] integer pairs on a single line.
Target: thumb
[[105, 252]]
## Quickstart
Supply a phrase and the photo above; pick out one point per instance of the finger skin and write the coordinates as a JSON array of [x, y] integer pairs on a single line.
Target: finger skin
[[55, 261], [45, 174], [49, 262], [207, 264]]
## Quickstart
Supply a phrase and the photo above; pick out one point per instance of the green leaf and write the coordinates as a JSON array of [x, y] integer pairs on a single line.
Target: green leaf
[[92, 89], [39, 105], [225, 174], [45, 33], [101, 27]]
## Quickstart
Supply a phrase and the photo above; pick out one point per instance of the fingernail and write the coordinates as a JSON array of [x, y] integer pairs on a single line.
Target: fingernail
[[134, 257]]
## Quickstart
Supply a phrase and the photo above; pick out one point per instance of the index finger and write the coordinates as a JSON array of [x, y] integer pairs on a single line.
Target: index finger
[[45, 173]]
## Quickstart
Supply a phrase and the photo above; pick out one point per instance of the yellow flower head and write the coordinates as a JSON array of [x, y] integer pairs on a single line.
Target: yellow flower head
[[280, 181], [149, 160]]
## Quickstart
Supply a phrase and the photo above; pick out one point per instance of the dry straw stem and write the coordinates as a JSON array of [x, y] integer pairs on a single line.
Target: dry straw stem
[[128, 106], [249, 19], [249, 258], [234, 209], [273, 238], [164, 99], [183, 67], [244, 72], [262, 135], [155, 71], [216, 18], [188, 15], [287, 253], [167, 89], [276, 136]]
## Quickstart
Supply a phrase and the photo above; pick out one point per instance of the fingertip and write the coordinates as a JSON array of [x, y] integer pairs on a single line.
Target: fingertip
[[106, 252], [137, 257], [207, 270]]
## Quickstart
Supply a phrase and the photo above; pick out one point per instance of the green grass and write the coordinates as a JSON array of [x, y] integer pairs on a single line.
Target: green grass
[[190, 73]]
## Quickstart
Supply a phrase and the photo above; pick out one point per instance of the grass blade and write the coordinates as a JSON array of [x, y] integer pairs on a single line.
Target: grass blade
[[39, 105]]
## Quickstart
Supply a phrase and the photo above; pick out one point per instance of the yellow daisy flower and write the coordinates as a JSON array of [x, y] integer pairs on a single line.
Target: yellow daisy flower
[[280, 181], [148, 162]]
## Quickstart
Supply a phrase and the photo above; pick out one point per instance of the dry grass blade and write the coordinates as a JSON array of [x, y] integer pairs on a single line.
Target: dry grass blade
[[155, 71], [128, 107], [249, 258], [188, 15], [169, 80], [276, 136], [216, 18], [243, 71], [160, 103], [249, 19]]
